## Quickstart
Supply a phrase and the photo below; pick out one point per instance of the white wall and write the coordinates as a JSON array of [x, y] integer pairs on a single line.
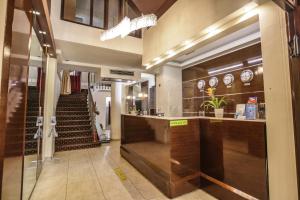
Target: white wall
[[73, 32], [32, 76], [184, 20], [169, 91], [100, 98], [84, 82], [57, 89]]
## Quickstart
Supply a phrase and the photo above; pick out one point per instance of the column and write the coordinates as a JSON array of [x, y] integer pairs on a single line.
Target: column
[[280, 131], [51, 93], [169, 91], [116, 109]]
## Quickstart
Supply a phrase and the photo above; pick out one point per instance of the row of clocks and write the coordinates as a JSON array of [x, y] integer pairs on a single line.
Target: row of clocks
[[246, 77]]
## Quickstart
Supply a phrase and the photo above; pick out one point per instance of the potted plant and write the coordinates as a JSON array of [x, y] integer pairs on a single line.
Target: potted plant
[[216, 103]]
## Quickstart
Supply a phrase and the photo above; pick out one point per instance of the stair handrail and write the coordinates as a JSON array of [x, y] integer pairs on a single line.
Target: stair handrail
[[92, 110]]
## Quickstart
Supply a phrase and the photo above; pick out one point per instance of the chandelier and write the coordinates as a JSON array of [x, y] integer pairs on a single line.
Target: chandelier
[[127, 26]]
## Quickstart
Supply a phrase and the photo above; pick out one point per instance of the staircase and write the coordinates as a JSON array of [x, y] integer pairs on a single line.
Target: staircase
[[74, 123], [32, 114]]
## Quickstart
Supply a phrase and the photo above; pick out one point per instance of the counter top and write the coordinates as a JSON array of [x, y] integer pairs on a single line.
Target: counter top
[[195, 117]]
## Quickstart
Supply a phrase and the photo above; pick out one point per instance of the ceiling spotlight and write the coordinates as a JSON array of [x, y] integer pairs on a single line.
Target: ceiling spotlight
[[156, 59], [36, 12], [46, 45], [171, 53], [43, 32]]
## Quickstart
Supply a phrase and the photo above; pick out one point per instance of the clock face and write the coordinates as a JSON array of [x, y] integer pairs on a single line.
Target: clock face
[[201, 85], [213, 82], [228, 79], [247, 76]]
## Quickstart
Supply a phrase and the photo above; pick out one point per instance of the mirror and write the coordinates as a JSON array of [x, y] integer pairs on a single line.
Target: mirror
[[30, 157], [32, 153], [16, 107]]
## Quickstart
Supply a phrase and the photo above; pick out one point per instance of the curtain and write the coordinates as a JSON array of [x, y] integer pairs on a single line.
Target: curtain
[[65, 83], [75, 82]]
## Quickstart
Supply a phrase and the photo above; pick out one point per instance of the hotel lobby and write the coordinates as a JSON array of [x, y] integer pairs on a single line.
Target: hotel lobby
[[150, 100]]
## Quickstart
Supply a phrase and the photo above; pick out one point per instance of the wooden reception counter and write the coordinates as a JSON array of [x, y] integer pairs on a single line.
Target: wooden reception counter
[[225, 157]]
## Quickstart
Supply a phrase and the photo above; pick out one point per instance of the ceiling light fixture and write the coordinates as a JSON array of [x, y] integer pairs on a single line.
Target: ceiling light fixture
[[46, 45], [36, 12], [171, 53], [254, 60], [225, 68], [126, 26], [43, 32], [156, 59]]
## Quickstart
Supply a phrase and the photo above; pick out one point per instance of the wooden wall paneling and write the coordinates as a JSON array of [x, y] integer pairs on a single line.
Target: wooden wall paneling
[[45, 24], [236, 94], [4, 82], [201, 69], [293, 27], [185, 157], [234, 156]]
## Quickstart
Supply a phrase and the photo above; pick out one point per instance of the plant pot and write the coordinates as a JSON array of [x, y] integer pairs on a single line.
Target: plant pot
[[219, 113]]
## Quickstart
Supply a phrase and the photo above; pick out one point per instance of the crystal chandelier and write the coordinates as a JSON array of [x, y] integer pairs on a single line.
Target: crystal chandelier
[[127, 26]]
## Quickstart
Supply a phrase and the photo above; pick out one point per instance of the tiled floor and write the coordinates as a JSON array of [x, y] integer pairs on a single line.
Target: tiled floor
[[91, 174]]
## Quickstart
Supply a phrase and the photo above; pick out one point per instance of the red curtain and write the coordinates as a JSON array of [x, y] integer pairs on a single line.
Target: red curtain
[[75, 82]]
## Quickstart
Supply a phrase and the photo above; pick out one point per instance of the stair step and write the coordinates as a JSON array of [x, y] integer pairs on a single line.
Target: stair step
[[66, 134], [61, 109], [74, 140], [76, 146], [84, 128], [30, 151], [73, 122]]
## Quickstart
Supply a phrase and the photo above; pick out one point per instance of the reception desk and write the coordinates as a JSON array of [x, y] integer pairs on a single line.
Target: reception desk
[[225, 157]]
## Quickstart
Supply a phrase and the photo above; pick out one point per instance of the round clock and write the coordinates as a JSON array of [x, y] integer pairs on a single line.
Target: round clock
[[228, 79], [213, 82], [201, 85], [247, 76]]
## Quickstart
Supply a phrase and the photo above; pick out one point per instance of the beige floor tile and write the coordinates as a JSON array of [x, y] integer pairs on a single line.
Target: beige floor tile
[[89, 174], [148, 191], [84, 190], [50, 193]]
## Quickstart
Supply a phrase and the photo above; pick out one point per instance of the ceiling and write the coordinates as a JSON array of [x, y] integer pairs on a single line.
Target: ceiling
[[236, 40], [93, 55], [158, 7]]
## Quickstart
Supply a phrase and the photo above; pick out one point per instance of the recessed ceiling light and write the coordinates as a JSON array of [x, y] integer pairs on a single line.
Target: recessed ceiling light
[[46, 45], [249, 7], [171, 53], [36, 12], [156, 59], [42, 32]]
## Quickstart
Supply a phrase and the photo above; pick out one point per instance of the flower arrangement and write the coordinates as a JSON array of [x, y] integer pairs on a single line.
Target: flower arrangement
[[214, 102]]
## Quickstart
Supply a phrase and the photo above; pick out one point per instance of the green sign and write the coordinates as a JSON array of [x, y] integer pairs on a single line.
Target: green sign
[[182, 122]]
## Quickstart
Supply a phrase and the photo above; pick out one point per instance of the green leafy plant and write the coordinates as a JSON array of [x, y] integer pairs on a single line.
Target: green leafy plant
[[214, 102]]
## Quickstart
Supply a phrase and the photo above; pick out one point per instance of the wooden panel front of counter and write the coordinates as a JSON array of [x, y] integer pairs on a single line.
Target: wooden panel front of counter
[[226, 158], [233, 159]]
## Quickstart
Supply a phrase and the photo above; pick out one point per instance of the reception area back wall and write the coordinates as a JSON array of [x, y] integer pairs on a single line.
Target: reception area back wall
[[237, 92]]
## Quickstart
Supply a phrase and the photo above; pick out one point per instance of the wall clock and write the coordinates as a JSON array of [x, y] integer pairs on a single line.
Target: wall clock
[[228, 80], [247, 76], [201, 85], [213, 82]]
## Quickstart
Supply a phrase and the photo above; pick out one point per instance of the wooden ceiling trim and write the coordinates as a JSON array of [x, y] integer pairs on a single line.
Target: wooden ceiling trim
[[158, 7], [45, 24], [167, 4]]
